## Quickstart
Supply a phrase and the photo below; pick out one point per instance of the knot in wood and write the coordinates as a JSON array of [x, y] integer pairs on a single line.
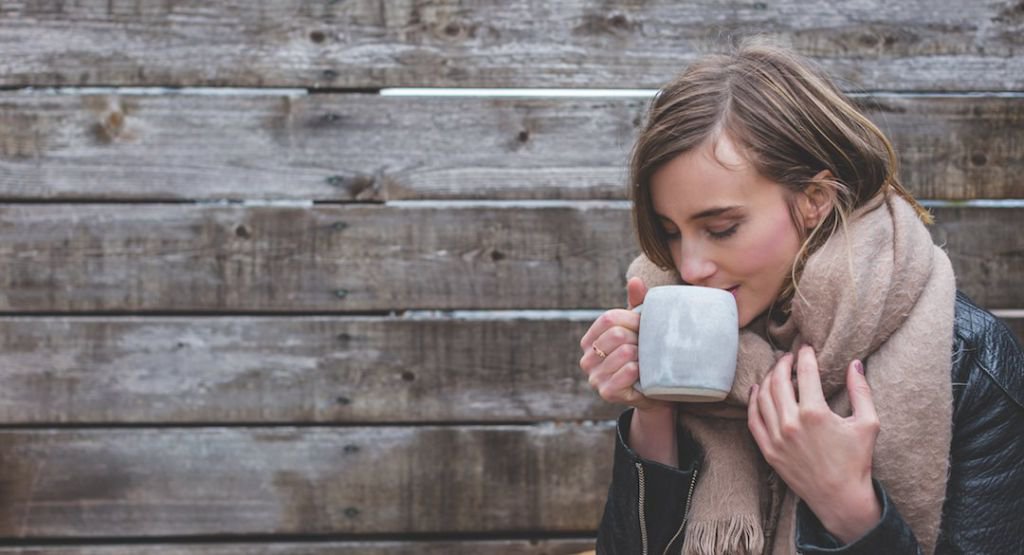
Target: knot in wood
[[618, 20]]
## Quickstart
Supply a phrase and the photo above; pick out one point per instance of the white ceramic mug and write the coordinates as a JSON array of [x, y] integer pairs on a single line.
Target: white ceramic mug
[[688, 341]]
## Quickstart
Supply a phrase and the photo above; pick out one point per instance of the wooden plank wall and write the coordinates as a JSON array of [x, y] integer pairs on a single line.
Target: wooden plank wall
[[248, 305]]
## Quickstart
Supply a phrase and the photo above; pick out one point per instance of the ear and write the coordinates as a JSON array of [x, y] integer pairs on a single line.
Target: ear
[[816, 200]]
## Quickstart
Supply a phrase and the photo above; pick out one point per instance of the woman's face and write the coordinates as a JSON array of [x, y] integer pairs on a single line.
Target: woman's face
[[728, 227]]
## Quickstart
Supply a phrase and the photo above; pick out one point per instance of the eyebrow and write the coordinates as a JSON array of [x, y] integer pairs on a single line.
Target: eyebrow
[[709, 213]]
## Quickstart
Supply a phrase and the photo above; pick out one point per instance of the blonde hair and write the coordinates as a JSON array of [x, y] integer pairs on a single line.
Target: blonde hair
[[788, 119]]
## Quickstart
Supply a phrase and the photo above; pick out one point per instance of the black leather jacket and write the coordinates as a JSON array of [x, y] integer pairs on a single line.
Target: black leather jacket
[[984, 507]]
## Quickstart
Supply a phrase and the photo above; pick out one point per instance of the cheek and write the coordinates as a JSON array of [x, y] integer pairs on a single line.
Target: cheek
[[771, 251]]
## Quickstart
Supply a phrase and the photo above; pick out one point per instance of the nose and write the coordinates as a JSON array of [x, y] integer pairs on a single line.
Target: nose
[[695, 267]]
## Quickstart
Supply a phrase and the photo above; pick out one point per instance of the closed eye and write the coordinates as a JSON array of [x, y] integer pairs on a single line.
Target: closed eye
[[724, 233]]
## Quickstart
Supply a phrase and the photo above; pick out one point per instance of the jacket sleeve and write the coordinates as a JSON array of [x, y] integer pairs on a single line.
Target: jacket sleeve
[[891, 535], [647, 501], [985, 491]]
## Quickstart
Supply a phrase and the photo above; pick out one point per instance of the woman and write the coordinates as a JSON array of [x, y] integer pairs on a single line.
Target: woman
[[875, 409]]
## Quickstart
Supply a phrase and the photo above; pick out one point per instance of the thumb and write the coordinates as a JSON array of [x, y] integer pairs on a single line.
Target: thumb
[[860, 392], [635, 291]]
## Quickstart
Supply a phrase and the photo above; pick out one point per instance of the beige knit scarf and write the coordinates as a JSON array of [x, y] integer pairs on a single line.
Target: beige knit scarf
[[879, 291]]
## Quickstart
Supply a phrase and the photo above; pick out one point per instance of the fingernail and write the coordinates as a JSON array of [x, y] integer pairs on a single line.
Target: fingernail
[[858, 366]]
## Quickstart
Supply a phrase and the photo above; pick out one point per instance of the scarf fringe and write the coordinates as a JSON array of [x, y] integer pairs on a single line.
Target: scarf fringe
[[737, 535]]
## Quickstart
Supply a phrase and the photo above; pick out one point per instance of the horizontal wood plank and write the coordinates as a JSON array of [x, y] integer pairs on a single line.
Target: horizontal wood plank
[[369, 148], [437, 547], [214, 481], [986, 247], [337, 259], [911, 45], [298, 369], [101, 370], [320, 258], [1016, 325]]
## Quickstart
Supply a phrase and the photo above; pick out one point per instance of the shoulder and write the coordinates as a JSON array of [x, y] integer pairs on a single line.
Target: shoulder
[[985, 352], [986, 479]]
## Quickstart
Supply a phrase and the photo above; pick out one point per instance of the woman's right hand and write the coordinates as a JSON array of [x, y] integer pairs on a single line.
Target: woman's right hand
[[614, 334]]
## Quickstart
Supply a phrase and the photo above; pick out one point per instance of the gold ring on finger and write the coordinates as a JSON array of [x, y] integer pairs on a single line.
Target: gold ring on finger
[[599, 352]]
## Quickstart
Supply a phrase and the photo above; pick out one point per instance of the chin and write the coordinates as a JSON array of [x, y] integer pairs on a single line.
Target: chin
[[744, 322]]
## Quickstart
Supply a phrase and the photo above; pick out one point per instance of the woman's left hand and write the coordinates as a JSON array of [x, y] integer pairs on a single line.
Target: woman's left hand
[[824, 458]]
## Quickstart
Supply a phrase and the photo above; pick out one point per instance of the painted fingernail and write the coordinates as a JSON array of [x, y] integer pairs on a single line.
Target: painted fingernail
[[858, 366]]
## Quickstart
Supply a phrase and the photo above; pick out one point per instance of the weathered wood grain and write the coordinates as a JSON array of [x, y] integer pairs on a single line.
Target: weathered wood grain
[[100, 370], [436, 547], [338, 259], [319, 258], [954, 147], [911, 45], [988, 263], [1016, 325], [216, 481], [294, 370], [358, 147]]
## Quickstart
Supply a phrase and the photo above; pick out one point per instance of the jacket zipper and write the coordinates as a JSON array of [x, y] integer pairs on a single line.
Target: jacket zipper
[[643, 519], [686, 513]]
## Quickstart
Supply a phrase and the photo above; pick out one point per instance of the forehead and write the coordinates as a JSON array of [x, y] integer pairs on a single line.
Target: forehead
[[711, 175]]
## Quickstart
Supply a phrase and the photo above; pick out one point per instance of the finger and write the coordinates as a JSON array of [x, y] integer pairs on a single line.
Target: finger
[[860, 393], [616, 359], [607, 320], [624, 379], [609, 341], [598, 377], [808, 379], [615, 336], [782, 389], [602, 369], [590, 361], [613, 357], [619, 387], [766, 406], [636, 290], [754, 422], [596, 366], [634, 398]]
